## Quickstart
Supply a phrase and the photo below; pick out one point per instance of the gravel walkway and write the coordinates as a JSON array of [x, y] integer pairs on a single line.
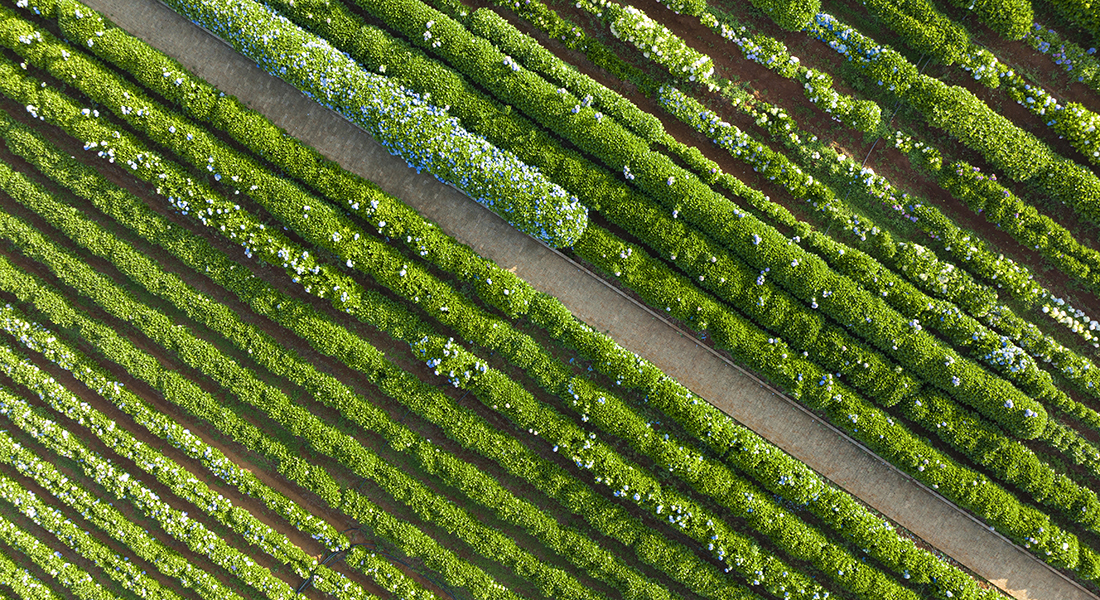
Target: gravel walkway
[[637, 328]]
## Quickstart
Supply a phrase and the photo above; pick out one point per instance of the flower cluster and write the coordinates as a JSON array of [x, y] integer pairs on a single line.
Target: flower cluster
[[864, 115], [1080, 63], [656, 42], [403, 121]]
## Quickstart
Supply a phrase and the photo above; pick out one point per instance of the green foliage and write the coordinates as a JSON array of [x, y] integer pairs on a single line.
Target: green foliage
[[1011, 150], [923, 27], [792, 15], [1010, 18], [1081, 13]]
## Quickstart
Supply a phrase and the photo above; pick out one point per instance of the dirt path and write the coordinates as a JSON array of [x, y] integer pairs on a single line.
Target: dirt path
[[634, 326]]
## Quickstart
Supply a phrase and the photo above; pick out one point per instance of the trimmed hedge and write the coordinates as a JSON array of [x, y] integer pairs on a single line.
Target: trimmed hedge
[[122, 486], [1010, 18]]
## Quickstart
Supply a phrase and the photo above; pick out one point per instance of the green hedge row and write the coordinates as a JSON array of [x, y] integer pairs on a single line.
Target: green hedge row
[[998, 205], [1081, 13], [714, 214], [126, 573], [20, 581], [1013, 151], [121, 485], [412, 281], [176, 478], [462, 425], [1010, 18], [818, 389], [320, 436], [79, 583], [1081, 64], [491, 26], [551, 314], [922, 27], [791, 15], [962, 331], [476, 485], [37, 338], [191, 398], [777, 576]]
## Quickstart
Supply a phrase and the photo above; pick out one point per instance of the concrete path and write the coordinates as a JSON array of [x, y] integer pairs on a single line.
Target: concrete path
[[751, 402]]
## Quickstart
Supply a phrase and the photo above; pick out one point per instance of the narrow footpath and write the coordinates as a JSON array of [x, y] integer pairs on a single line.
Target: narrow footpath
[[751, 402]]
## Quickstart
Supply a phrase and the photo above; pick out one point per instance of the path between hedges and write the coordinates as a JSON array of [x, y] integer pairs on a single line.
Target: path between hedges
[[750, 401]]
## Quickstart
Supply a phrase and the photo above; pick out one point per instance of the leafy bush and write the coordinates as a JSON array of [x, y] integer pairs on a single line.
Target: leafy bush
[[404, 122], [791, 15], [922, 27], [1082, 13], [1010, 18]]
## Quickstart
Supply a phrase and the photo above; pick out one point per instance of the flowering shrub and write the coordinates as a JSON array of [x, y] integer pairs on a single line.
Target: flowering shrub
[[982, 65], [22, 582], [791, 15], [689, 7], [1017, 153], [956, 592], [295, 418], [403, 121], [1010, 149], [874, 528], [998, 205], [818, 389], [1081, 64], [50, 561], [173, 476], [727, 136], [864, 115], [924, 156], [461, 424], [881, 64], [122, 486], [655, 41]]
